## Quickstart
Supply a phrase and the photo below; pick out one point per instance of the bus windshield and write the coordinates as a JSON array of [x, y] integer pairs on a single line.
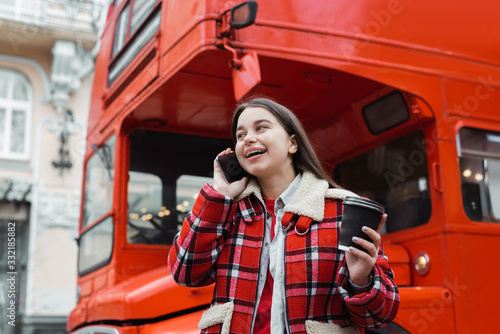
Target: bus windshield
[[99, 175], [165, 178]]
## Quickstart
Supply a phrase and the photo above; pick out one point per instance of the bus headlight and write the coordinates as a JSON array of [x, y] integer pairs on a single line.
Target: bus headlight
[[422, 263]]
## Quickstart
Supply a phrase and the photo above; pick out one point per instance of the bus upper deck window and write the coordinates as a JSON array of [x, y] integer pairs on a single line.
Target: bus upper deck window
[[385, 113], [479, 153], [135, 26], [396, 175], [140, 12], [120, 30]]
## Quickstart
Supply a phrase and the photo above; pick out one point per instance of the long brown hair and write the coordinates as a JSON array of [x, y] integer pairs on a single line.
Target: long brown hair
[[305, 159]]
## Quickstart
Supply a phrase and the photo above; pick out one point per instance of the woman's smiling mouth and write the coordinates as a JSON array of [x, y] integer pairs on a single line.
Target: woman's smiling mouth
[[254, 152]]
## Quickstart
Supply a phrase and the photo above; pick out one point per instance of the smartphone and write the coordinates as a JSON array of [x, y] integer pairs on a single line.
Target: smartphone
[[231, 168]]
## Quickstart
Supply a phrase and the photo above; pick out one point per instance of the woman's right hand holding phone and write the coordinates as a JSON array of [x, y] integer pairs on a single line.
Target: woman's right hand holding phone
[[228, 189]]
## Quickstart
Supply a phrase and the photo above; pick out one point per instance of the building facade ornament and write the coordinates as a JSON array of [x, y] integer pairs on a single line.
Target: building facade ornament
[[59, 210], [69, 67], [15, 189]]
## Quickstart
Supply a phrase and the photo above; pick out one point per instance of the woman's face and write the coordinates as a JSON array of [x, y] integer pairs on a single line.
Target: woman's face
[[263, 146]]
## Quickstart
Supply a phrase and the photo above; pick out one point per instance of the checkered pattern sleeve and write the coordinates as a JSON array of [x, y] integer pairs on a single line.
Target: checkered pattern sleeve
[[196, 247], [379, 305]]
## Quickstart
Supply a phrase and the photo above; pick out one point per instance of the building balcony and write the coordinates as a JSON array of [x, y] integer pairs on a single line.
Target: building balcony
[[34, 26], [54, 14]]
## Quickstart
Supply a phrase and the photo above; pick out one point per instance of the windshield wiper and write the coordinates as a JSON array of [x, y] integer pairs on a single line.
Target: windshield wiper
[[105, 158]]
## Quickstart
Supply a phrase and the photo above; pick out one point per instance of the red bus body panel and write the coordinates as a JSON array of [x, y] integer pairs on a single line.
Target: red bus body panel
[[326, 60]]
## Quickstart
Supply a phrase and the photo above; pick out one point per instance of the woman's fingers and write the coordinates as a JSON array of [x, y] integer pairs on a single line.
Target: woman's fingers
[[369, 246], [366, 257], [374, 235], [226, 151], [359, 262], [381, 223]]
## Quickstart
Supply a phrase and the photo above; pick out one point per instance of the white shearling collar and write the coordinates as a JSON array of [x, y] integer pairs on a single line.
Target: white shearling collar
[[309, 198]]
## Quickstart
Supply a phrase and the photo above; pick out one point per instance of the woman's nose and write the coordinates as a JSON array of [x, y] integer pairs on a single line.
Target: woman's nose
[[250, 138]]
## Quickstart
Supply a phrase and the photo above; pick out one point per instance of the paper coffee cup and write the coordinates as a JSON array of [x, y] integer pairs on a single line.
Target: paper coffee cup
[[358, 212]]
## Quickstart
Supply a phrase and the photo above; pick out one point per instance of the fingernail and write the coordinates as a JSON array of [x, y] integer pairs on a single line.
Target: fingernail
[[365, 228], [355, 238], [351, 249]]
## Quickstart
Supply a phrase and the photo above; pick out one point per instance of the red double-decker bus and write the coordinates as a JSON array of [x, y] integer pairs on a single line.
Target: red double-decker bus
[[400, 97]]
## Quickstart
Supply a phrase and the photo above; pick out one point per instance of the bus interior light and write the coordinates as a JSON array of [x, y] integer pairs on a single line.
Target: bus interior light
[[386, 113], [467, 173], [243, 15], [493, 138]]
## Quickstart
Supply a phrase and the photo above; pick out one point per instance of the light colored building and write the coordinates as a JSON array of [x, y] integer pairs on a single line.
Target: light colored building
[[47, 50]]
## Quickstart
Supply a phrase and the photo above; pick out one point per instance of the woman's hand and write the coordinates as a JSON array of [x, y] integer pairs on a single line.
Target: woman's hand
[[359, 263], [220, 184]]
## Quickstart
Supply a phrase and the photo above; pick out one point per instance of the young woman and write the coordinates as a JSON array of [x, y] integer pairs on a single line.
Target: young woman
[[269, 242]]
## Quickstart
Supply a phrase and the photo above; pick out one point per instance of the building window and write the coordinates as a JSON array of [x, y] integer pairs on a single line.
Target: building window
[[16, 106]]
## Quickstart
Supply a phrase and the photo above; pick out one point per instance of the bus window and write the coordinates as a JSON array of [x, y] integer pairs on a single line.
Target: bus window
[[166, 173], [149, 220], [140, 11], [479, 154], [136, 24], [98, 195], [396, 175], [96, 246], [494, 186], [117, 3], [121, 30], [145, 210], [188, 188]]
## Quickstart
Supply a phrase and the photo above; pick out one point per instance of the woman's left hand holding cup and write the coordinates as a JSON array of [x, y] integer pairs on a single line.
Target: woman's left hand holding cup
[[359, 263]]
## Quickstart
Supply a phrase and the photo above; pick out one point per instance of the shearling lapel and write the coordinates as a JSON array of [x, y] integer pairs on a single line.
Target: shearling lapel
[[309, 198], [251, 188]]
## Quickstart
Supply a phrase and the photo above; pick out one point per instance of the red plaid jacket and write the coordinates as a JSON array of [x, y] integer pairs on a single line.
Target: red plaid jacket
[[221, 240]]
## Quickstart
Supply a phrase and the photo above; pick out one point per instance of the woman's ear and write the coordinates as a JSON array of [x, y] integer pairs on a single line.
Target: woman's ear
[[293, 147]]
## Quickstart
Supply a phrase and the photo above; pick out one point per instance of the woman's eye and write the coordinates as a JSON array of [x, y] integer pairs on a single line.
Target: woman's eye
[[240, 135], [261, 127]]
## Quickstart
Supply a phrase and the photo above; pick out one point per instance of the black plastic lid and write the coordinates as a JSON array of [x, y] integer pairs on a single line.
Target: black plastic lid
[[363, 202]]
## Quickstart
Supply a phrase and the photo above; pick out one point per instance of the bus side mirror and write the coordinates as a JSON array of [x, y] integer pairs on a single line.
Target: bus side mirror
[[243, 15], [247, 76]]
